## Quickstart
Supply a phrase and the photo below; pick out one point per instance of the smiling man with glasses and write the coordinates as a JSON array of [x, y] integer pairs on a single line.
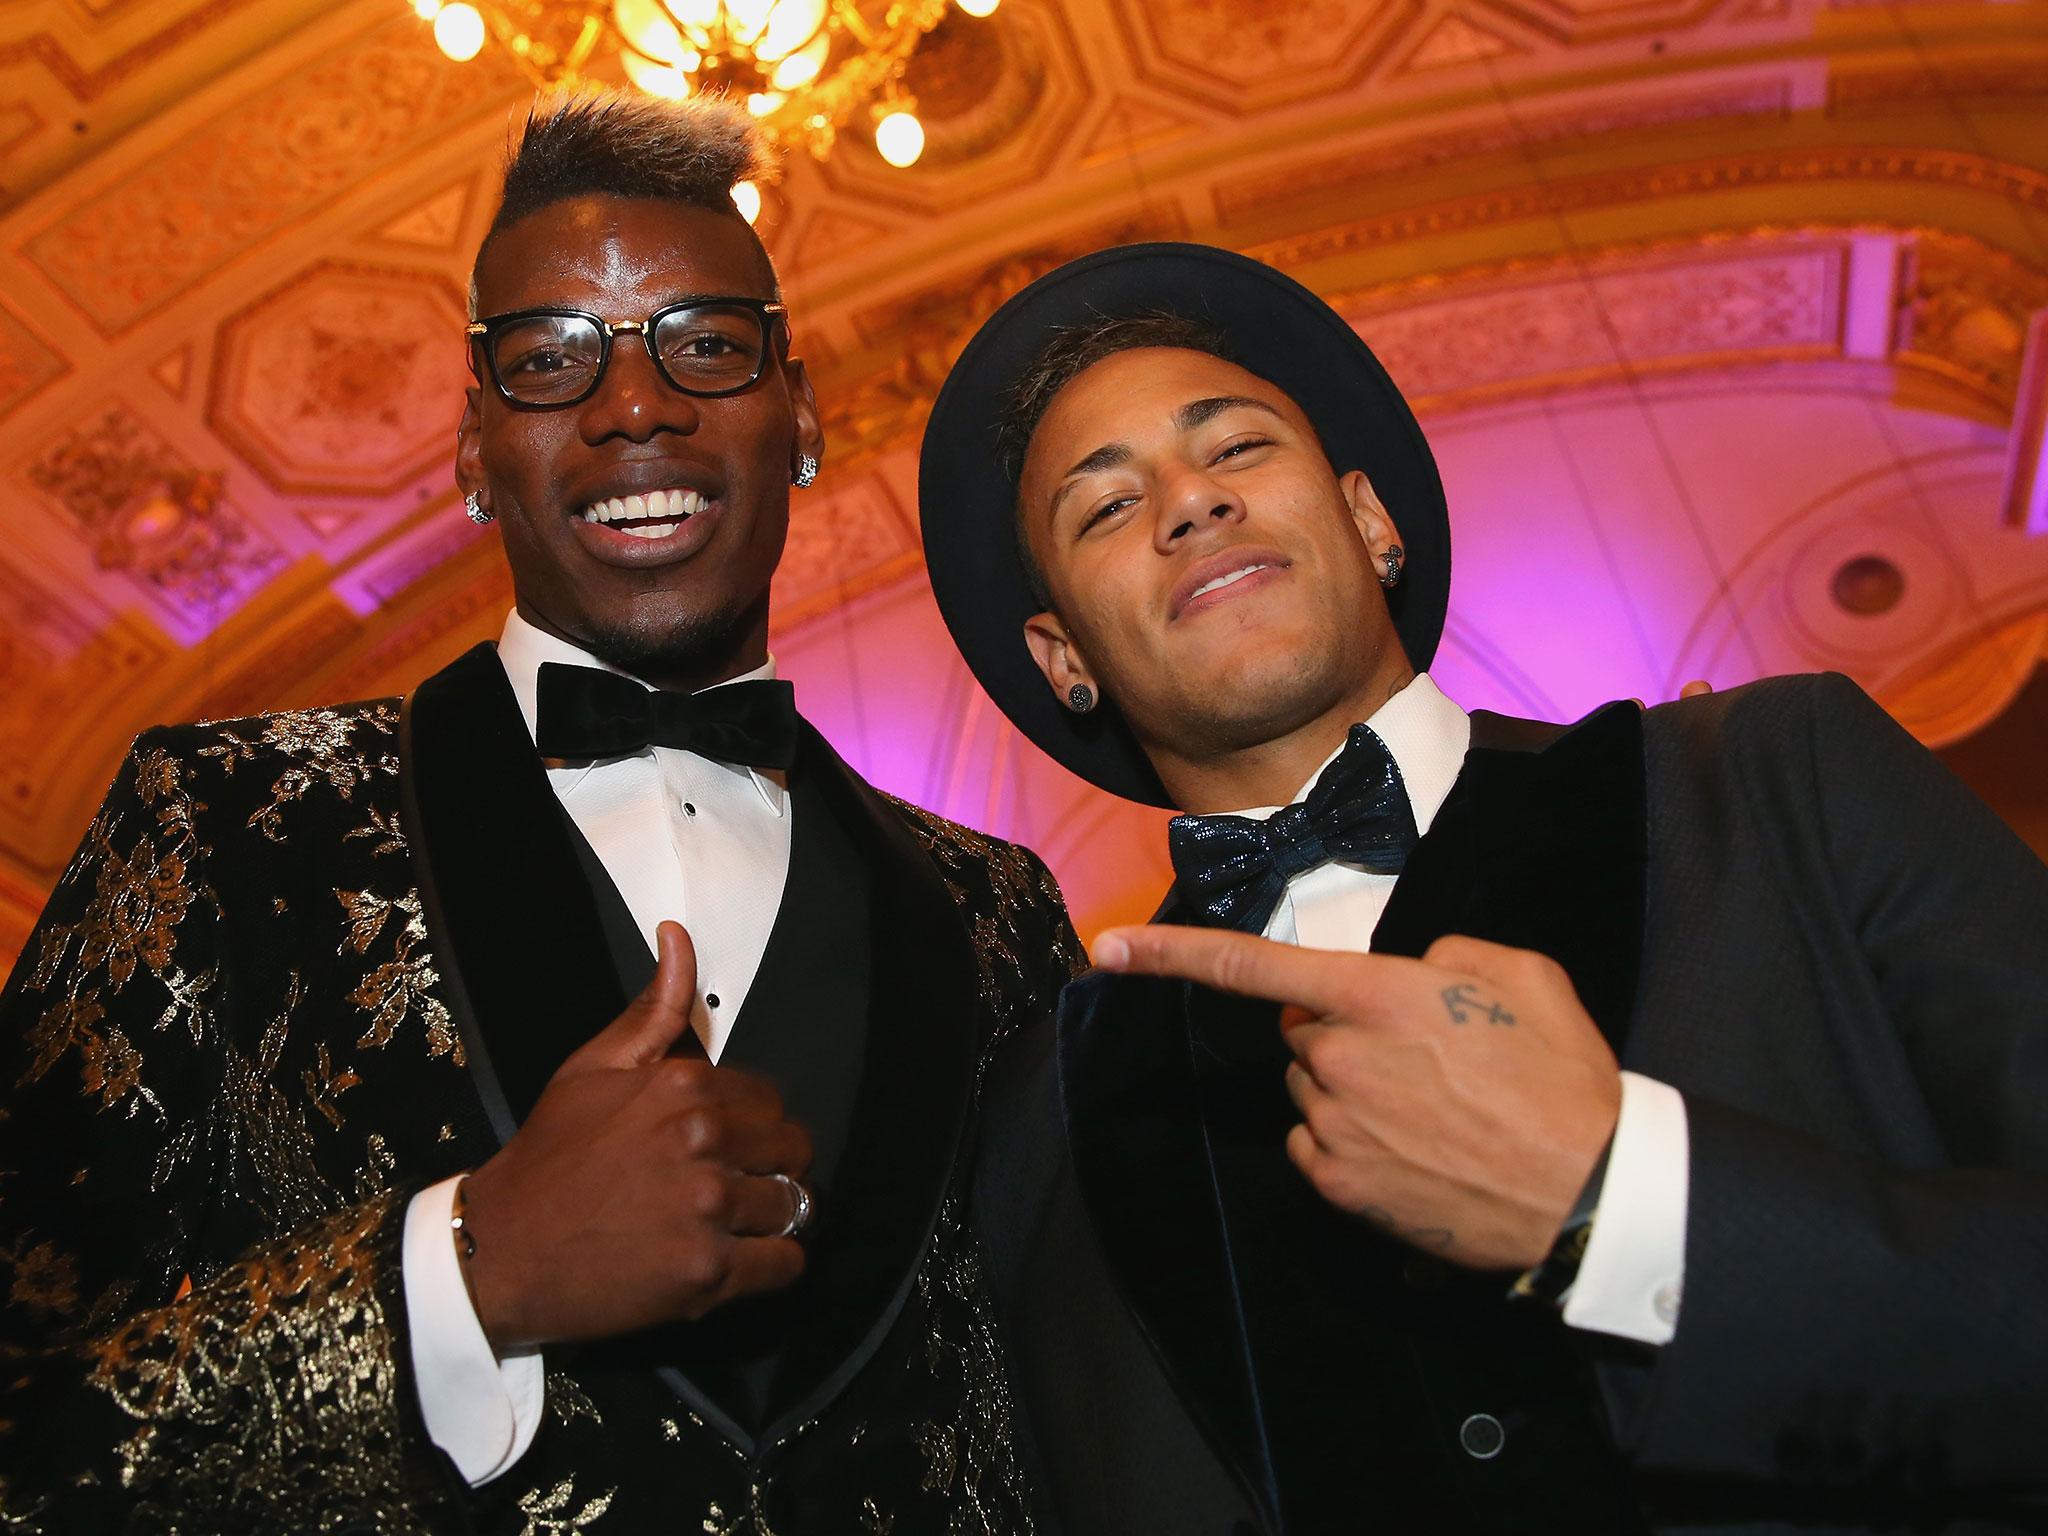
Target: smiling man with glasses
[[515, 1107]]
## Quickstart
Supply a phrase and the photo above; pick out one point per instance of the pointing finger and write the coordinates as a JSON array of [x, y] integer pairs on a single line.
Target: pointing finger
[[1318, 980]]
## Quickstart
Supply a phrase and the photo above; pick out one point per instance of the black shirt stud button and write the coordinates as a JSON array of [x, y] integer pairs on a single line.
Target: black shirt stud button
[[1482, 1436], [710, 999], [689, 809]]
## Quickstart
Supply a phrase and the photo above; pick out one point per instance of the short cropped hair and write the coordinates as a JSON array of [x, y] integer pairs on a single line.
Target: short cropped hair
[[1071, 352], [623, 144]]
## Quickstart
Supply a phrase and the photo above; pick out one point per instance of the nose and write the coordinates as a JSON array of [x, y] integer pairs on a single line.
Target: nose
[[634, 401], [1192, 503]]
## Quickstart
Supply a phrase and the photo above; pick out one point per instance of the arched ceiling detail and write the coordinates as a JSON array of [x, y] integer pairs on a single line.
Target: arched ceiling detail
[[1587, 235]]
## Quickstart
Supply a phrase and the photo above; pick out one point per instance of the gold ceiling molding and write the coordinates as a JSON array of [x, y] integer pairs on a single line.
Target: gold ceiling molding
[[87, 84], [1256, 197], [265, 164], [1759, 169], [1247, 56], [1861, 92], [341, 381], [28, 364], [1962, 308]]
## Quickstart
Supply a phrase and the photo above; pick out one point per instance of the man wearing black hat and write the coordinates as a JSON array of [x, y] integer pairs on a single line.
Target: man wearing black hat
[[1418, 1254]]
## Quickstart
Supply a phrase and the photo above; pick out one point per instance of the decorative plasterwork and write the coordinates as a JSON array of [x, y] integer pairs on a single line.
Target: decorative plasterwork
[[1565, 327], [1765, 168], [1000, 116], [1244, 56], [280, 155], [345, 379], [27, 363], [148, 513], [1240, 199], [842, 543], [58, 663]]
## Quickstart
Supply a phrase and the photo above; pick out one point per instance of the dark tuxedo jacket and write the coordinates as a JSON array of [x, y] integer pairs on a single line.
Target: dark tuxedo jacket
[[1770, 898], [305, 964]]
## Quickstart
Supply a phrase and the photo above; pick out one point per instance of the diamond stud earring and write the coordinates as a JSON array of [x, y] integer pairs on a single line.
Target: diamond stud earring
[[473, 504], [806, 471]]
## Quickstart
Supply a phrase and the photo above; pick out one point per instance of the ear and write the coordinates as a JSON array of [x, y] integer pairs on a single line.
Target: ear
[[469, 449], [1375, 524], [803, 404], [1056, 654]]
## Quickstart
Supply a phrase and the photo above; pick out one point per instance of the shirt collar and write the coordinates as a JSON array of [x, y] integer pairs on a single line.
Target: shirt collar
[[522, 647], [1428, 736]]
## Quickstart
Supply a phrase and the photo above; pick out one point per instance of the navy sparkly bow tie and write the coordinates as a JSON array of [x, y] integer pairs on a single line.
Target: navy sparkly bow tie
[[1234, 870], [582, 713]]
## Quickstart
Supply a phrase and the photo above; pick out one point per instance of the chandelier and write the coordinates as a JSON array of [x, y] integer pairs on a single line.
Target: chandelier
[[805, 68]]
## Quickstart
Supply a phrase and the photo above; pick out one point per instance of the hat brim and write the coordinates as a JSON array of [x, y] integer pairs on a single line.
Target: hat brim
[[1274, 327]]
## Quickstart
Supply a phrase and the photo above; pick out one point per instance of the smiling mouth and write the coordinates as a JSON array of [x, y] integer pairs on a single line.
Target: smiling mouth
[[1228, 578], [653, 515]]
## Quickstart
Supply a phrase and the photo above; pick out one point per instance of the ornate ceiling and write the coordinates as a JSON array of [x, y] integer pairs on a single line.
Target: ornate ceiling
[[1715, 311]]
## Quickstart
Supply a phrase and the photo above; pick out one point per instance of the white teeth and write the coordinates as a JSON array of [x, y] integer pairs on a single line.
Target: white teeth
[[1223, 581], [651, 530], [676, 504]]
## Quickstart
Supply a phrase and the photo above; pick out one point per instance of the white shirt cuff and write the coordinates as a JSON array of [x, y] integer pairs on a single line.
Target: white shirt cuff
[[481, 1410], [1633, 1275]]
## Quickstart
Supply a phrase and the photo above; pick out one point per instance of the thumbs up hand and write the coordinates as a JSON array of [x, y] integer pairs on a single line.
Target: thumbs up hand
[[641, 1189]]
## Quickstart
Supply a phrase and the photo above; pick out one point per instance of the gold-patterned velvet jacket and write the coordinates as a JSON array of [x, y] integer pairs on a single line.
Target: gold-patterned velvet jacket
[[307, 963]]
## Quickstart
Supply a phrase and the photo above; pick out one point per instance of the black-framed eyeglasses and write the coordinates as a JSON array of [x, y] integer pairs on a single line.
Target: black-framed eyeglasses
[[543, 359]]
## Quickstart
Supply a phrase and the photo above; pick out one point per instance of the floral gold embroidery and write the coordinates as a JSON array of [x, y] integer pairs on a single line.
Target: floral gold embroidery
[[403, 985], [282, 1367], [44, 1281], [137, 904], [548, 1514], [324, 1085], [324, 744]]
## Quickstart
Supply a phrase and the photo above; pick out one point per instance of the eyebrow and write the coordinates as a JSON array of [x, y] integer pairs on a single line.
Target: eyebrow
[[1190, 416]]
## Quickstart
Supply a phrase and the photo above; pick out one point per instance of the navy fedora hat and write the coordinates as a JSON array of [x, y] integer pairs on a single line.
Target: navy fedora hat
[[1272, 326]]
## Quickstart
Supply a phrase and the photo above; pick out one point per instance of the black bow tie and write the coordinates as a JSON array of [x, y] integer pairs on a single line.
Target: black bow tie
[[1235, 869], [583, 713]]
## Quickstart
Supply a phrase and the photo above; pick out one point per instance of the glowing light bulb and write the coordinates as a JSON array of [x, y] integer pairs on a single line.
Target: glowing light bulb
[[761, 103], [426, 10], [978, 7], [667, 81], [747, 18], [789, 26], [459, 31], [747, 198], [802, 67], [647, 29], [899, 138]]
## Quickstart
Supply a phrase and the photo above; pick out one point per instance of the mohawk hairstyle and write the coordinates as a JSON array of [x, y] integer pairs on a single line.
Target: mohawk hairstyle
[[622, 144]]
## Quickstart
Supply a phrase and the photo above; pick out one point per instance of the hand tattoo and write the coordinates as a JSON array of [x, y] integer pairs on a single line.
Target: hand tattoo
[[1438, 1238], [1463, 1000]]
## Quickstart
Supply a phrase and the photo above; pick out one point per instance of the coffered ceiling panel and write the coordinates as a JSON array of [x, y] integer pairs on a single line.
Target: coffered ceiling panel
[[1716, 311]]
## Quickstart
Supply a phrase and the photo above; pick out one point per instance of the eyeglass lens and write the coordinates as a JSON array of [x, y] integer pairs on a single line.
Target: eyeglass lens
[[552, 358]]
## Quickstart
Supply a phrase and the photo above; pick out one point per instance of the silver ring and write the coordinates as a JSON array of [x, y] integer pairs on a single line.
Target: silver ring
[[802, 1207]]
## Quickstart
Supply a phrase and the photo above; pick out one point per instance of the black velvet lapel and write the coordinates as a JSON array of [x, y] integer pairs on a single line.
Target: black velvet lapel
[[807, 1015], [1131, 1099], [1542, 844], [925, 1028], [529, 973]]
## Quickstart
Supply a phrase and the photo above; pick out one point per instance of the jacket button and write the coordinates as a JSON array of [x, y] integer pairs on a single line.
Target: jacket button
[[1482, 1436]]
